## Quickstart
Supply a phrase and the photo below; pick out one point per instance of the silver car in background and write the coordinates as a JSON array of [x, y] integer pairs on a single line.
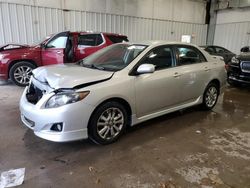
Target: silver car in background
[[119, 86]]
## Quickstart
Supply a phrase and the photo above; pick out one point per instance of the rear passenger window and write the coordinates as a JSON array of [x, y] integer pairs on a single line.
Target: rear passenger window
[[189, 55], [117, 39], [89, 40], [161, 57]]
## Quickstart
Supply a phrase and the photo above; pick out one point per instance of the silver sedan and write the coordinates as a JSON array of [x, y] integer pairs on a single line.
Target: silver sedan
[[119, 86]]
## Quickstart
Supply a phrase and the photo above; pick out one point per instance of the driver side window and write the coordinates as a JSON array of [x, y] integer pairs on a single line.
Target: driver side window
[[161, 57], [59, 42]]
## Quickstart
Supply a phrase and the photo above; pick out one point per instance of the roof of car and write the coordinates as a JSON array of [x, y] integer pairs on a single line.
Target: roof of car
[[95, 32], [205, 46], [161, 42]]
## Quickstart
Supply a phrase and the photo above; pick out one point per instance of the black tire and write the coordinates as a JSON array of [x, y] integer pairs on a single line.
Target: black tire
[[209, 104], [95, 121], [24, 69]]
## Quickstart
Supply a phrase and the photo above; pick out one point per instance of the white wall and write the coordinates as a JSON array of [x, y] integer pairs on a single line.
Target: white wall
[[233, 15], [29, 20], [178, 10], [233, 29]]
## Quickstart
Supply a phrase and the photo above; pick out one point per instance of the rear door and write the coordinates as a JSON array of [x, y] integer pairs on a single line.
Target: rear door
[[53, 51], [88, 44], [193, 70]]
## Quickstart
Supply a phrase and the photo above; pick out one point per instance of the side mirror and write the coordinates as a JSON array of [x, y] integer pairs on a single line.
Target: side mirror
[[146, 68], [42, 45]]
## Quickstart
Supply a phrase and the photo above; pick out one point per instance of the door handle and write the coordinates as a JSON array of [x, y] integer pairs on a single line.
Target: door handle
[[207, 69], [59, 52], [176, 75]]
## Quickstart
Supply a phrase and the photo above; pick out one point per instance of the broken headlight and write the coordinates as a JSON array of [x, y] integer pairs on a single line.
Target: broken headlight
[[64, 98]]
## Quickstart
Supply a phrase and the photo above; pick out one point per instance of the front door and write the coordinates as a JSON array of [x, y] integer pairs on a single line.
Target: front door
[[54, 50], [156, 91]]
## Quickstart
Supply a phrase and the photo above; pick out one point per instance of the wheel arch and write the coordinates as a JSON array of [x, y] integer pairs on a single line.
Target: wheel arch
[[217, 82], [115, 99], [12, 63]]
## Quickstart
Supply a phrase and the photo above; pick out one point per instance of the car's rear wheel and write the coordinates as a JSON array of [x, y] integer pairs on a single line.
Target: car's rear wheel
[[107, 123], [21, 72], [210, 96]]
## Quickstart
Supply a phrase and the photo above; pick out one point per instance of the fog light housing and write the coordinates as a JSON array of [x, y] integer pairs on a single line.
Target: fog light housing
[[57, 127]]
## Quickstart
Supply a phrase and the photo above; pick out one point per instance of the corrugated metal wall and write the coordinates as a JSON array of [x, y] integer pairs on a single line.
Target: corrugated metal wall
[[135, 28], [233, 36], [26, 24]]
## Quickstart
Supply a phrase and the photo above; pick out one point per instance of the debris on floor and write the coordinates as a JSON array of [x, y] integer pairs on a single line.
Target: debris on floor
[[61, 160], [42, 167], [200, 175], [198, 132], [12, 178], [98, 181], [198, 157], [91, 168], [233, 143], [168, 184]]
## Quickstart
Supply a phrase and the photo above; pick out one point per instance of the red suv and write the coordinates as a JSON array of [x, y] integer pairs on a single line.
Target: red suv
[[18, 61]]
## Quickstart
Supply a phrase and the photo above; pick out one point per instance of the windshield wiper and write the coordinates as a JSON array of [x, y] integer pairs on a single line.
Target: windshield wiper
[[98, 67], [92, 66]]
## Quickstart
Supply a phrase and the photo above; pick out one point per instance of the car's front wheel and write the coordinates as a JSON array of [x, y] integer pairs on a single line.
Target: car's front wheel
[[108, 122], [21, 72], [210, 96]]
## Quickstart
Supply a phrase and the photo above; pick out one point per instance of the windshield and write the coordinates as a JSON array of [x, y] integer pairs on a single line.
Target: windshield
[[114, 57]]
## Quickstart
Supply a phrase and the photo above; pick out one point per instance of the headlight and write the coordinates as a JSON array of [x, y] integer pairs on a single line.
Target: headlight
[[234, 60], [66, 97]]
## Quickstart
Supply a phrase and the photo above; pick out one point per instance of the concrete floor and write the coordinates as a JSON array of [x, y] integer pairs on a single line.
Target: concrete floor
[[189, 150]]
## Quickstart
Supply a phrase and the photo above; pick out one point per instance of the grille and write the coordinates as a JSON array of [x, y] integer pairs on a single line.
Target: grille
[[245, 66], [34, 94]]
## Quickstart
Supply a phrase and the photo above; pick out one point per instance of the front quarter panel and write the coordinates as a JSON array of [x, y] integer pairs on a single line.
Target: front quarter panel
[[119, 86], [10, 56]]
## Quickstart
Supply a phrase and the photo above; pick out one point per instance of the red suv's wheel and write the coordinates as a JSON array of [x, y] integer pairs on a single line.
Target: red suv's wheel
[[20, 73]]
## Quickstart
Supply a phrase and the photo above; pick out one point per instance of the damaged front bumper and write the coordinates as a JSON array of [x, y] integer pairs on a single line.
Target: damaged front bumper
[[73, 119]]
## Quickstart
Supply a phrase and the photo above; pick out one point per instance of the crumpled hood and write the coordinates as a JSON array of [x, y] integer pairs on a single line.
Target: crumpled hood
[[15, 46], [69, 76]]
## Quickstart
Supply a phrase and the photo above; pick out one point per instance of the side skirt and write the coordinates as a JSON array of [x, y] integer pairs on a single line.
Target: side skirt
[[136, 120]]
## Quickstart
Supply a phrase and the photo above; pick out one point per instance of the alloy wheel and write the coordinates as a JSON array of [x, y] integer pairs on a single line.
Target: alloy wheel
[[22, 74], [211, 96], [110, 123]]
